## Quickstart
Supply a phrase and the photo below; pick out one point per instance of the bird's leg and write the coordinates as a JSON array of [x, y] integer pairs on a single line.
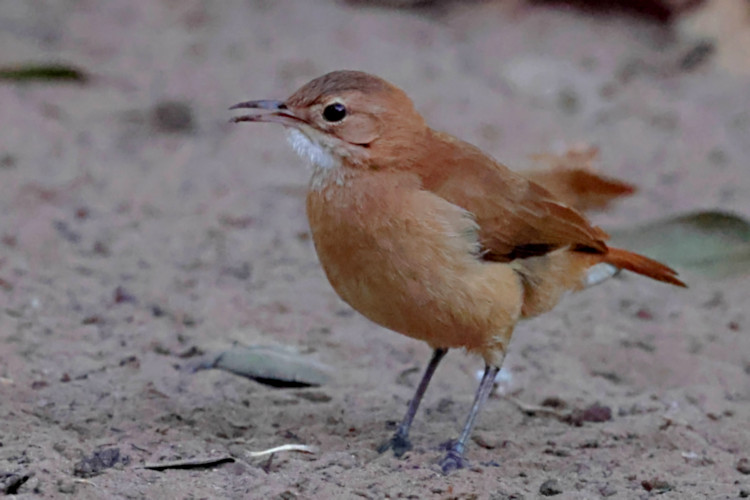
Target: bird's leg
[[454, 459], [399, 443]]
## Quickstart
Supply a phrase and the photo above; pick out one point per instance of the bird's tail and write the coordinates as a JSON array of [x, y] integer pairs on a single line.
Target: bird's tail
[[572, 178], [636, 263]]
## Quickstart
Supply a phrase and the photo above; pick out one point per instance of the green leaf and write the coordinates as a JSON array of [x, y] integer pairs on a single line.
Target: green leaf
[[712, 243], [42, 72], [271, 365]]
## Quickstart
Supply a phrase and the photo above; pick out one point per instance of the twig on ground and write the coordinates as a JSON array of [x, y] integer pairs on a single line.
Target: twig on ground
[[303, 448], [189, 463]]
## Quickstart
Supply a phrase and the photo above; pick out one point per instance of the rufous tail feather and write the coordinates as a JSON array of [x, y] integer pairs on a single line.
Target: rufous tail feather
[[581, 188], [642, 265]]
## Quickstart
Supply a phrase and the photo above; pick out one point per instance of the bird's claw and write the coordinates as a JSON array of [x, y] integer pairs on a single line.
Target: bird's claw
[[452, 461], [398, 443]]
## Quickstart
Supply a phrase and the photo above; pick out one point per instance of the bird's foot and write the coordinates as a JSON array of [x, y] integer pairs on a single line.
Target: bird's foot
[[399, 443], [453, 460]]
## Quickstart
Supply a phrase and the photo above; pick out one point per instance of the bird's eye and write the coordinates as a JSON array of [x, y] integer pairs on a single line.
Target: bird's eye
[[334, 112]]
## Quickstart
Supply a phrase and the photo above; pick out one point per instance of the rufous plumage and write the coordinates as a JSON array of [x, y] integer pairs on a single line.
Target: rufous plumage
[[428, 236]]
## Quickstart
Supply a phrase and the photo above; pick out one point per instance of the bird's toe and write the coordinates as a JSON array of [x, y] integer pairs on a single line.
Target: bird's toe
[[398, 443], [452, 461]]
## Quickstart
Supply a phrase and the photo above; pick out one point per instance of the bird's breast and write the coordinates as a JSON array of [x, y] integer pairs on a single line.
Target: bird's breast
[[406, 259]]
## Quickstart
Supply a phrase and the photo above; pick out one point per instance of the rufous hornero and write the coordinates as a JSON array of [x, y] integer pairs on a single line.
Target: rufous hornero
[[428, 236]]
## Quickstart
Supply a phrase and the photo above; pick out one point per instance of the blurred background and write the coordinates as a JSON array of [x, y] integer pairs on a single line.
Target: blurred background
[[140, 231]]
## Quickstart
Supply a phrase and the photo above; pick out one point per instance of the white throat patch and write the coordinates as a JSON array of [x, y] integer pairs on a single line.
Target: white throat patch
[[326, 166], [317, 155]]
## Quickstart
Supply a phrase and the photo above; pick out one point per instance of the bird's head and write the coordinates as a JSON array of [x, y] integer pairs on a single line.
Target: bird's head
[[344, 117]]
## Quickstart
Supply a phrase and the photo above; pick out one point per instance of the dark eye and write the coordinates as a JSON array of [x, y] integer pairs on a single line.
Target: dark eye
[[334, 112]]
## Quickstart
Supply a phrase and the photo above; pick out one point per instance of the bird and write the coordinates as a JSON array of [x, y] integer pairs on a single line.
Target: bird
[[428, 236]]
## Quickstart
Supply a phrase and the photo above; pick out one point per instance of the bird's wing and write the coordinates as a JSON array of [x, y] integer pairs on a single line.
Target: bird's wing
[[517, 218]]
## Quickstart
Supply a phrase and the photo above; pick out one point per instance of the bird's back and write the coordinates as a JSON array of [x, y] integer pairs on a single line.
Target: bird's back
[[551, 245]]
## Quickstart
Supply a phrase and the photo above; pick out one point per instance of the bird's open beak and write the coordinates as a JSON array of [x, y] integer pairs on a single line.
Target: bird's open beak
[[279, 113]]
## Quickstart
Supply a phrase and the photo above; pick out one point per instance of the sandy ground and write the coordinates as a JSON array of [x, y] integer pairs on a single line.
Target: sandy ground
[[127, 248]]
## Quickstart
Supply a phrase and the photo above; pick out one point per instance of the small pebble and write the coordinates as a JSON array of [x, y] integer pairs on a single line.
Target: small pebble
[[656, 484], [7, 161], [173, 117], [95, 463], [487, 440], [597, 413], [607, 491], [67, 487], [121, 295], [550, 487]]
